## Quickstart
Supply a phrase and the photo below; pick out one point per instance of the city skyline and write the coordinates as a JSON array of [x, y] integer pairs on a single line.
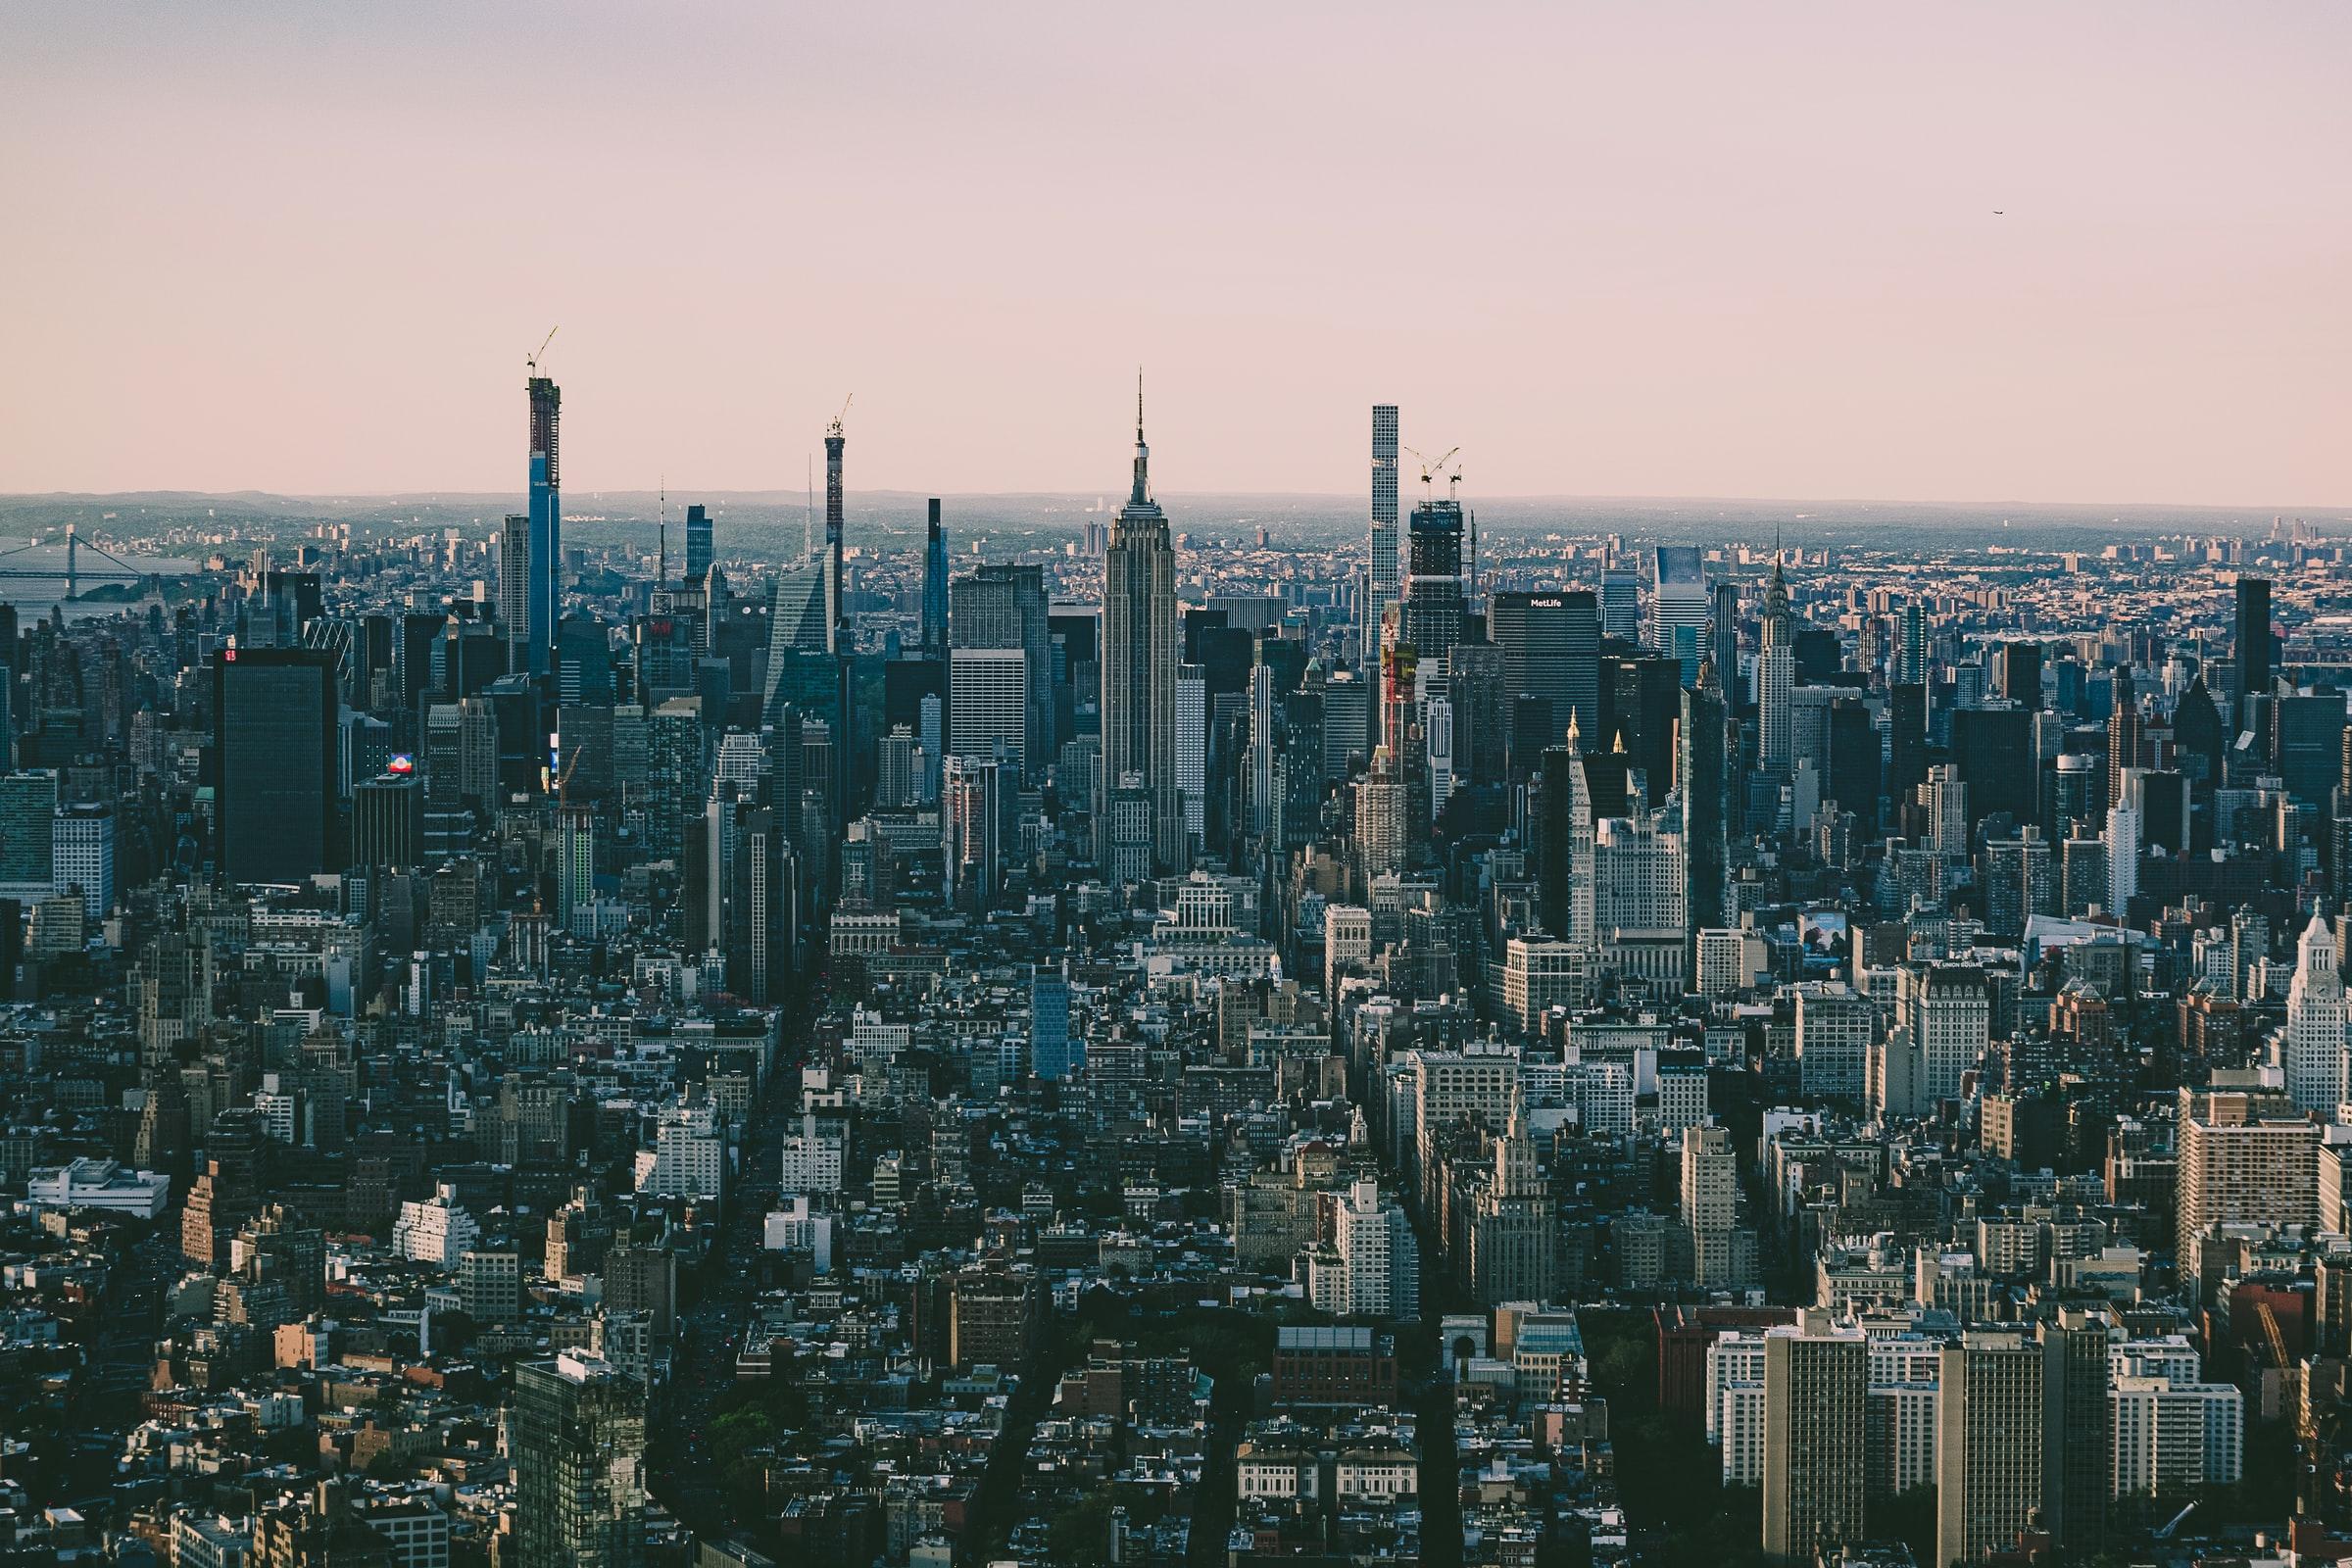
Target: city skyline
[[2084, 258]]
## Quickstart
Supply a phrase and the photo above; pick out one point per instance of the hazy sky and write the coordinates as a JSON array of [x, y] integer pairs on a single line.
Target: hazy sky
[[1669, 248]]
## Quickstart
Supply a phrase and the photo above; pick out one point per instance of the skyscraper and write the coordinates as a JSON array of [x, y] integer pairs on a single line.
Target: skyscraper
[[1053, 1052], [275, 717], [1551, 645], [834, 609], [514, 588], [2314, 1050], [1140, 658], [1776, 679], [698, 541], [1723, 637], [546, 536], [1703, 783], [1816, 1393], [2252, 645], [1433, 585], [934, 587], [1380, 579], [1677, 594], [577, 1434]]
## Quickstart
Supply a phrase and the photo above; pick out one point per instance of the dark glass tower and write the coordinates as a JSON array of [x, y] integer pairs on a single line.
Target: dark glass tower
[[1433, 584], [1705, 786], [935, 588], [275, 714], [546, 535], [2253, 640], [698, 541], [1138, 671]]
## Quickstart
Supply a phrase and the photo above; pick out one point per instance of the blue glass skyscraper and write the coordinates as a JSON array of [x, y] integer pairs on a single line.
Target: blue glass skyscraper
[[1053, 1053], [699, 543], [547, 524]]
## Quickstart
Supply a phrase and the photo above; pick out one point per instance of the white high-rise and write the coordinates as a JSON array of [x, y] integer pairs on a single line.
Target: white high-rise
[[1776, 681], [988, 695], [1192, 748], [2122, 856], [2312, 1050]]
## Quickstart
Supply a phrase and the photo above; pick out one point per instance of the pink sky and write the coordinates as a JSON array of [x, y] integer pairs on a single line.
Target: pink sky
[[1672, 249]]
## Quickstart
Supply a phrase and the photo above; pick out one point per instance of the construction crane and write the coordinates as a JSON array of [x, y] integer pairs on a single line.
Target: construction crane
[[835, 427], [1431, 466], [571, 765], [531, 359]]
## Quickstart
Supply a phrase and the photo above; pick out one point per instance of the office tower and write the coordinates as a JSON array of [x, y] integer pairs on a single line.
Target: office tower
[[544, 541], [2017, 674], [1911, 647], [1641, 698], [1776, 679], [835, 608], [1381, 808], [988, 690], [82, 856], [1944, 804], [1347, 722], [2246, 1153], [1379, 578], [1192, 749], [1947, 1011], [1723, 635], [1816, 1398], [1620, 603], [972, 815], [1437, 744], [2076, 787], [575, 867], [2307, 741], [1473, 684], [28, 837], [2313, 1052], [1139, 661], [699, 551], [1514, 1241], [2000, 1445], [1551, 644], [934, 587], [1703, 785], [1677, 594], [1054, 1051], [275, 714], [2252, 645], [514, 588], [1004, 607], [578, 1437], [1257, 773], [2123, 736], [1434, 601], [1993, 749], [387, 823], [762, 905], [2020, 881]]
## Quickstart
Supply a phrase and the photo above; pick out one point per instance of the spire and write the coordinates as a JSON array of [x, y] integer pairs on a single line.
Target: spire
[[1574, 734], [1140, 494]]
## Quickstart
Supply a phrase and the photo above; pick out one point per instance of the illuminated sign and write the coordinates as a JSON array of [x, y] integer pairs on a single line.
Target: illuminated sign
[[402, 763]]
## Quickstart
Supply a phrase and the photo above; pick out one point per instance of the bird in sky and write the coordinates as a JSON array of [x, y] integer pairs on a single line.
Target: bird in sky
[[2001, 212]]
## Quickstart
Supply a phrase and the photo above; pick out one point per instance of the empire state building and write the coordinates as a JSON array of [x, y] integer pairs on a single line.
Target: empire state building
[[1140, 655]]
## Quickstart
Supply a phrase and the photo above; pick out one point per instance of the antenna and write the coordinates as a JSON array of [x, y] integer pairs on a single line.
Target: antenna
[[661, 558], [808, 517], [531, 359]]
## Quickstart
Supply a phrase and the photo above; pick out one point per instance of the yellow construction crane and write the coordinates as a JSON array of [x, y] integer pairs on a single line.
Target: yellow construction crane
[[531, 359], [571, 765], [1431, 466], [835, 427]]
